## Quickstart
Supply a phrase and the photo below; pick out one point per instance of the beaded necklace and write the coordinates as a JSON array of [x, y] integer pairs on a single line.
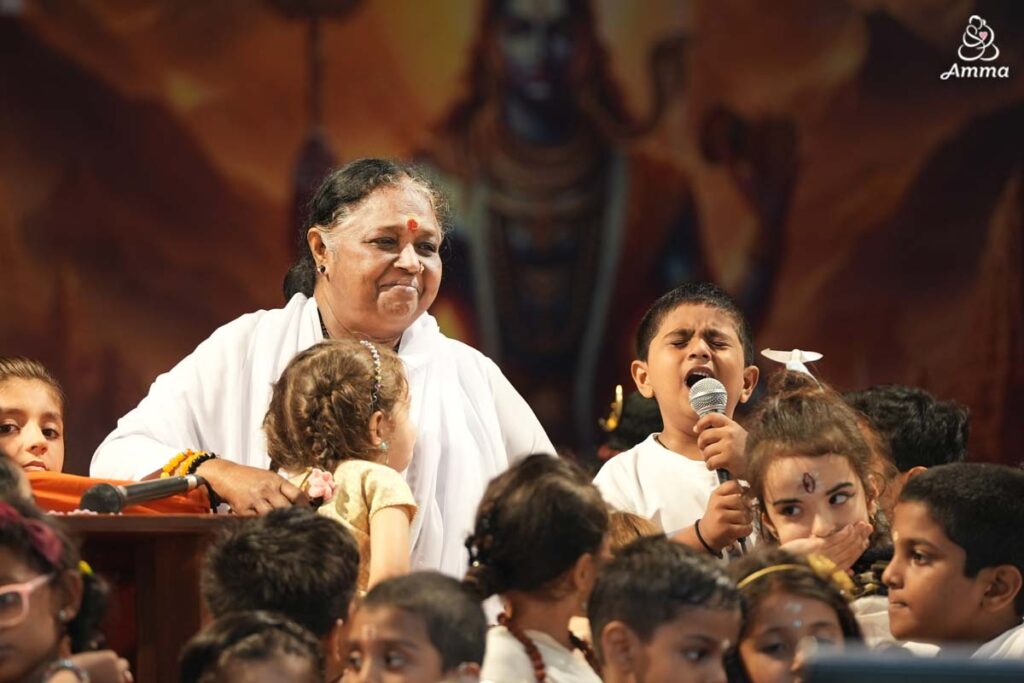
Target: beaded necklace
[[533, 653], [323, 328]]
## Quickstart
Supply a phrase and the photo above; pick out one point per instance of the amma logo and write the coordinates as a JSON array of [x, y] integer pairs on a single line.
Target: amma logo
[[979, 45]]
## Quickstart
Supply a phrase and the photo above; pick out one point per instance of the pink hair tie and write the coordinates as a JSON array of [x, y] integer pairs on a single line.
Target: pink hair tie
[[43, 539], [320, 485]]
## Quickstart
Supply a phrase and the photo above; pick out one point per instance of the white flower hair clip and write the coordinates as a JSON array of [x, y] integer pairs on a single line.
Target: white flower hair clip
[[795, 360]]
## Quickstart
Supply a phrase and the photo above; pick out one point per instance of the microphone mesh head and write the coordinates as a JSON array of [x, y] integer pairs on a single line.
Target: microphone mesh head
[[708, 395], [101, 498]]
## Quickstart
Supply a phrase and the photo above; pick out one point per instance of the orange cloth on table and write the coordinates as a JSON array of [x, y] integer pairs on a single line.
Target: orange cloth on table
[[61, 492]]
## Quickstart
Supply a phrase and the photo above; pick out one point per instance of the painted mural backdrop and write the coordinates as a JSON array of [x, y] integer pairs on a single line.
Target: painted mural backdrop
[[812, 159]]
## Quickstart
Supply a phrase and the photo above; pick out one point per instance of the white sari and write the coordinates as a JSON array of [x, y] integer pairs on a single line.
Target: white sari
[[471, 423]]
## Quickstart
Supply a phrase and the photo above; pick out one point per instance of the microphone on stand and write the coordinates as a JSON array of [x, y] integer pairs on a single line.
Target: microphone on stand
[[111, 498], [708, 395]]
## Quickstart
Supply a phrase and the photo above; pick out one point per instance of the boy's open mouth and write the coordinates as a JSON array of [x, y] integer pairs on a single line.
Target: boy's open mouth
[[697, 374]]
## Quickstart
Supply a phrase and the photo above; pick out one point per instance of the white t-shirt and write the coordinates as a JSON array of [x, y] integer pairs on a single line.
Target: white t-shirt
[[1007, 645], [506, 660], [651, 481], [872, 614]]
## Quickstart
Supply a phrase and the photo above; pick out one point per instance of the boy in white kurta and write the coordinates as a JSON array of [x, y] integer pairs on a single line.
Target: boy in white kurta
[[692, 332], [958, 562]]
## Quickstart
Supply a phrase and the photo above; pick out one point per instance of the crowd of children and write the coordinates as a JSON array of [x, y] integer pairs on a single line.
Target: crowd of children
[[861, 524]]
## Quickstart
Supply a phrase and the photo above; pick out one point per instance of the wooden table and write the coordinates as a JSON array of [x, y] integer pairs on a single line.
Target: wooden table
[[152, 563]]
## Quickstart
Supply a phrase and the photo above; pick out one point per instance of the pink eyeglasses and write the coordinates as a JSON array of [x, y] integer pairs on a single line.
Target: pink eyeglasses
[[14, 600]]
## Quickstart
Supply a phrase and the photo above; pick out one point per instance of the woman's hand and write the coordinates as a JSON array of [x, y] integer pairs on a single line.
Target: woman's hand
[[250, 491], [843, 547], [721, 441]]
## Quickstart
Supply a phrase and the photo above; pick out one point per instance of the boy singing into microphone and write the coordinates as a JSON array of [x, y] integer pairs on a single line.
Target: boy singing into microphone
[[692, 332]]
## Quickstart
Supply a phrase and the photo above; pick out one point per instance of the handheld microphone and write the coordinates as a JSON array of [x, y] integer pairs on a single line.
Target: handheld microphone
[[707, 396], [110, 498]]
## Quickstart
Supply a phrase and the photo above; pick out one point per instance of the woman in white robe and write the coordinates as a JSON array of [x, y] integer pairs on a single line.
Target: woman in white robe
[[373, 270]]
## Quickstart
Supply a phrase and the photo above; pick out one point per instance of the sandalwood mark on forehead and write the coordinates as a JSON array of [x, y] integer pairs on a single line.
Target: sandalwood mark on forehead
[[808, 482]]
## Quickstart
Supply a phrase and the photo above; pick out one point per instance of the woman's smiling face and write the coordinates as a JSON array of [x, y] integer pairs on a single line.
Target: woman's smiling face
[[382, 263]]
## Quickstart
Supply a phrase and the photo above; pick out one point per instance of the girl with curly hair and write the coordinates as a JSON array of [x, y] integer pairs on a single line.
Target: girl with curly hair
[[339, 425]]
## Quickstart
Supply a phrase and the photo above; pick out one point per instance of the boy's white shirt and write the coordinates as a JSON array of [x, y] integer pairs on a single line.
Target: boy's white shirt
[[1007, 645], [651, 481], [506, 661]]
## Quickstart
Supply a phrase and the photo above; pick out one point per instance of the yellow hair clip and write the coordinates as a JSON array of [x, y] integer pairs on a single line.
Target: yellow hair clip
[[818, 565], [751, 578], [827, 569], [84, 568]]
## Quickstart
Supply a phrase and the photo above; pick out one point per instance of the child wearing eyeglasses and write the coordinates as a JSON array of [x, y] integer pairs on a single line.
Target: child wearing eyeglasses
[[50, 605]]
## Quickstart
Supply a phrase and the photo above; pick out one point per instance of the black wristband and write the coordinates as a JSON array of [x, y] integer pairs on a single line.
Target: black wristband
[[199, 461], [696, 527]]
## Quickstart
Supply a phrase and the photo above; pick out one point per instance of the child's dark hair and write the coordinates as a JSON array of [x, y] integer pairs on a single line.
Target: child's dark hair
[[534, 522], [640, 418], [651, 582], [320, 408], [11, 478], [16, 367], [697, 293], [768, 571], [808, 418], [980, 507], [255, 636], [292, 561], [42, 544], [917, 429], [455, 622], [799, 579]]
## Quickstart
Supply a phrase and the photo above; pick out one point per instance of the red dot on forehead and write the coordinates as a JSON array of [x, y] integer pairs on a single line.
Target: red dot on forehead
[[412, 224]]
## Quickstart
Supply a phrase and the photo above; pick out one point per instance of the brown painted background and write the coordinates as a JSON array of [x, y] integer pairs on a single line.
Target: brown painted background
[[147, 152]]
